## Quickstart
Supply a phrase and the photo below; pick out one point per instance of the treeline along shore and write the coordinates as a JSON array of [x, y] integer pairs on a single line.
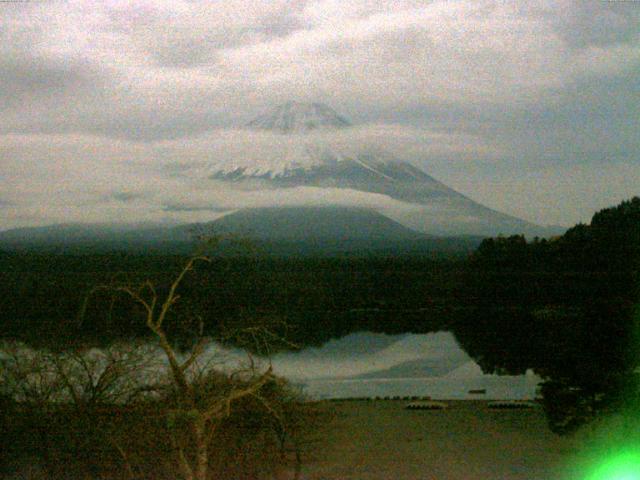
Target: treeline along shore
[[315, 299], [566, 307]]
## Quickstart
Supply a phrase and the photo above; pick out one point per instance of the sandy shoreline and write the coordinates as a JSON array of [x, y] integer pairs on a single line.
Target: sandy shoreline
[[468, 441]]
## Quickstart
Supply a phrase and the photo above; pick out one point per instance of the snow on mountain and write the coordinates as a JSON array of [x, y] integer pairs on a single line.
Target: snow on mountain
[[294, 151], [302, 159], [299, 117], [299, 158], [291, 155]]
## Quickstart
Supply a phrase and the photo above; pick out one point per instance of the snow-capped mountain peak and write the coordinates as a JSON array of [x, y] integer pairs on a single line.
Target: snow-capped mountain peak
[[294, 157], [296, 117], [292, 153]]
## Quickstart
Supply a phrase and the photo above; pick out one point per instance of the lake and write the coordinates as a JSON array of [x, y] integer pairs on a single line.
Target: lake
[[369, 364]]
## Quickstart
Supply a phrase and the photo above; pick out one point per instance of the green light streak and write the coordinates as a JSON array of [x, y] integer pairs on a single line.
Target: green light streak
[[623, 466]]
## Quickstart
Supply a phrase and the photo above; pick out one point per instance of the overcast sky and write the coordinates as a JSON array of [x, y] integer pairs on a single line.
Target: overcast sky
[[529, 107]]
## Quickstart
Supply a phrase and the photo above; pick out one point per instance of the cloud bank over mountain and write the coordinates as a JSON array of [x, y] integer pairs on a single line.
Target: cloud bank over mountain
[[58, 178], [530, 108]]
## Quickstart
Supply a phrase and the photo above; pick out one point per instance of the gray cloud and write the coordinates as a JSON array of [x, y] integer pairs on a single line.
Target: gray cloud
[[176, 207], [597, 23], [124, 197], [488, 97], [33, 81]]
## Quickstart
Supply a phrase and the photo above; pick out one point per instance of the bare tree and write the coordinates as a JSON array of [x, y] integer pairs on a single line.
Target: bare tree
[[63, 403], [198, 409], [29, 376], [153, 409]]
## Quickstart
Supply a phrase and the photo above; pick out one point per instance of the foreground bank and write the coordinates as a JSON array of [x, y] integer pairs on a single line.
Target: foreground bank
[[380, 440]]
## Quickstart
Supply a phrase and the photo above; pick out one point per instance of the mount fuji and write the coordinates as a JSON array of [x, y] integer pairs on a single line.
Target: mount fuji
[[338, 198], [405, 193]]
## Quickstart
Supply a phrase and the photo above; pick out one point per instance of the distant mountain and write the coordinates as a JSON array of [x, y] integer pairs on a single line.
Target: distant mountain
[[416, 200], [413, 213], [273, 231], [313, 224], [330, 230]]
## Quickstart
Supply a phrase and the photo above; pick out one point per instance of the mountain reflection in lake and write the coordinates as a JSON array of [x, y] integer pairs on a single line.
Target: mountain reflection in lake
[[371, 364], [364, 364]]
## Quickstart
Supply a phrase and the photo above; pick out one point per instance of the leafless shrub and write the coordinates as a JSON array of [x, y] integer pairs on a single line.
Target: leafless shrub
[[146, 411]]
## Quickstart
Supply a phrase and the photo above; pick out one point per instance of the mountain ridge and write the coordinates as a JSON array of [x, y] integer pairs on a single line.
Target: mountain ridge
[[272, 231], [409, 204], [416, 200]]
